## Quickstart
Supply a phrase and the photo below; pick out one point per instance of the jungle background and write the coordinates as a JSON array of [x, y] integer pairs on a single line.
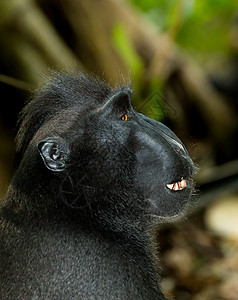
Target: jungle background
[[182, 57]]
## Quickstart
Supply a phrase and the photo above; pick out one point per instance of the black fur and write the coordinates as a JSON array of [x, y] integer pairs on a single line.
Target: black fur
[[80, 216]]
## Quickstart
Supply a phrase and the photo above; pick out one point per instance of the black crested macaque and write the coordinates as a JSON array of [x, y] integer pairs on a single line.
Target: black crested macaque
[[93, 180]]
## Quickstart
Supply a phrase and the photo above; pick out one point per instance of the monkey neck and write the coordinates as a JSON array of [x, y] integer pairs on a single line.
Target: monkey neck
[[31, 199], [131, 252], [30, 202], [37, 207]]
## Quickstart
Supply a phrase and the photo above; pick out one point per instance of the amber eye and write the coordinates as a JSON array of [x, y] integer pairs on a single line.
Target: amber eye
[[124, 117]]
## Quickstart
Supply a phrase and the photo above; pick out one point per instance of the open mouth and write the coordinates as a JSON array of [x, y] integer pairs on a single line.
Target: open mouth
[[178, 186]]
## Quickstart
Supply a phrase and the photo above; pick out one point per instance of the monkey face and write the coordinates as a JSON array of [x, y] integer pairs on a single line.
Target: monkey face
[[118, 159]]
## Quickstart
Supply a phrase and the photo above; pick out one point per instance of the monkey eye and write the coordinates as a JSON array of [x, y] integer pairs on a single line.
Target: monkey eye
[[124, 117]]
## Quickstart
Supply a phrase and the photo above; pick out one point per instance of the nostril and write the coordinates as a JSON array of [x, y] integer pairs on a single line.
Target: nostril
[[179, 150], [175, 143]]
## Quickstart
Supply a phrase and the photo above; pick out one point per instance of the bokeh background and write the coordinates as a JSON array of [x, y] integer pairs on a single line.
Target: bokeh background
[[182, 57]]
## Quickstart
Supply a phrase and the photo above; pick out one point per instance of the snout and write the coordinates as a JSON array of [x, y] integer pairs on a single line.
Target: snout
[[165, 133], [176, 166]]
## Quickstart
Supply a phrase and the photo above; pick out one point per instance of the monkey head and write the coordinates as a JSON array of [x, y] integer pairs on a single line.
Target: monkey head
[[95, 154]]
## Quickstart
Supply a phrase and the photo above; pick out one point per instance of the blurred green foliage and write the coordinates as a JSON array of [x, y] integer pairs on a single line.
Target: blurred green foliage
[[201, 27], [125, 48]]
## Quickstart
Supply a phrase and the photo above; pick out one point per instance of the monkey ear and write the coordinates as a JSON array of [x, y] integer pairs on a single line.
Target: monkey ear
[[54, 152]]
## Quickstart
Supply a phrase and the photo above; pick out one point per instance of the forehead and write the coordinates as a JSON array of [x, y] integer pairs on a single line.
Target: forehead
[[77, 90]]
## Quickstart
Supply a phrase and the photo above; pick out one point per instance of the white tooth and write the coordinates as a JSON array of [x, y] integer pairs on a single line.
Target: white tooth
[[183, 184], [170, 186], [176, 186]]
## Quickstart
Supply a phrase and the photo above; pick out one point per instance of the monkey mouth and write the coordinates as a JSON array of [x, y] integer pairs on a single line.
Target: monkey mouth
[[178, 186]]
